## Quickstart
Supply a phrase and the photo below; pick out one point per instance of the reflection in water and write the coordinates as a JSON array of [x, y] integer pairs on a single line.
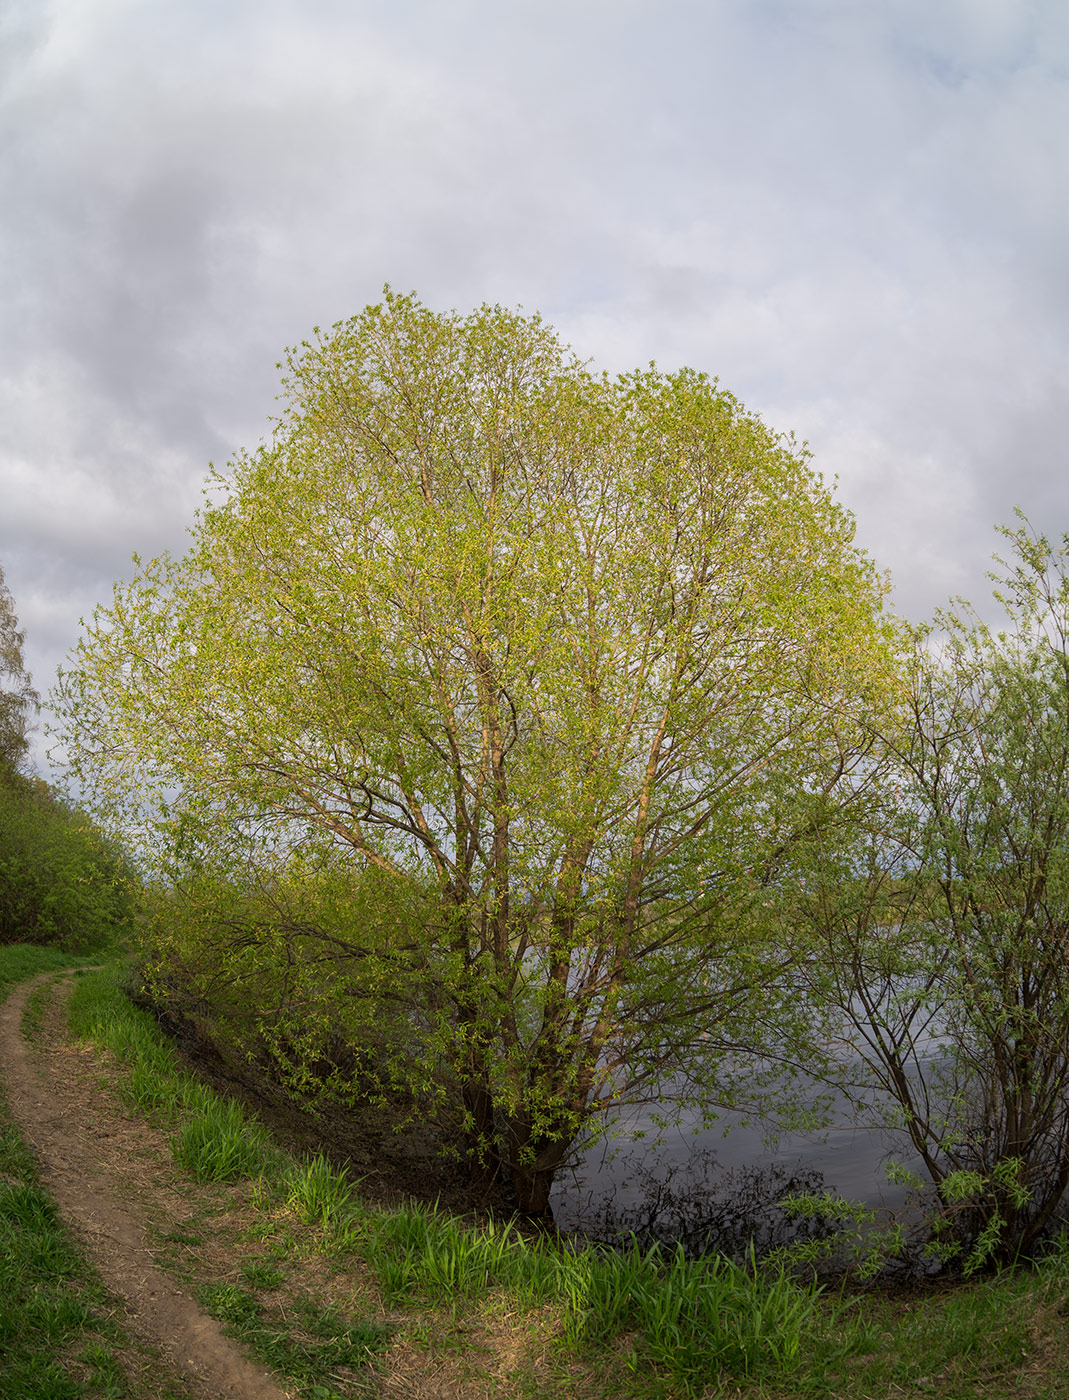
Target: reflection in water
[[622, 1175], [706, 1209]]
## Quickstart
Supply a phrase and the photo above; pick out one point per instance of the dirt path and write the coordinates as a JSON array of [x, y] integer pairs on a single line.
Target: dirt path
[[92, 1171]]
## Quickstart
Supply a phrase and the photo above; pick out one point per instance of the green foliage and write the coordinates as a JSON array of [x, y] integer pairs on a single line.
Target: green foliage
[[986, 1202], [18, 699], [862, 1242], [61, 880], [547, 671], [944, 916]]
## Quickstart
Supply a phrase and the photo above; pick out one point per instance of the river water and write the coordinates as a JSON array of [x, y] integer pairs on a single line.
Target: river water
[[849, 1158], [621, 1172]]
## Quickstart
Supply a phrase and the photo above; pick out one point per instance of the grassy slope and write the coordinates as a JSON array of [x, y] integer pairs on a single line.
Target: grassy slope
[[523, 1318], [325, 1288]]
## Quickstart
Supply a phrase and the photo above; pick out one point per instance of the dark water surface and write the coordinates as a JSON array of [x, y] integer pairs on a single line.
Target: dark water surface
[[622, 1173]]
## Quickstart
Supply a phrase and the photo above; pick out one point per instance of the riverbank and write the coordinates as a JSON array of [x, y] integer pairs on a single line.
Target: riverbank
[[291, 1255]]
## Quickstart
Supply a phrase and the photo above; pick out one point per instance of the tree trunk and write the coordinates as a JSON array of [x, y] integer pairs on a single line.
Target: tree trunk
[[483, 1159], [531, 1188], [533, 1168]]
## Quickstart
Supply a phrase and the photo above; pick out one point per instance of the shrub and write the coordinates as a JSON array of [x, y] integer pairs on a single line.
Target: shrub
[[62, 881]]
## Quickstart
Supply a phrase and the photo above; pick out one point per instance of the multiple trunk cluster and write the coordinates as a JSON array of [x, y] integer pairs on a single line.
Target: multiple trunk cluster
[[528, 724]]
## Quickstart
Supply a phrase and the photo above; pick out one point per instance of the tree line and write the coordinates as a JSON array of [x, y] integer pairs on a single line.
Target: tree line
[[62, 881]]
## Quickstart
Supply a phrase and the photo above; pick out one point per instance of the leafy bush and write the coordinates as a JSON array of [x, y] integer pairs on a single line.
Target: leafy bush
[[62, 881]]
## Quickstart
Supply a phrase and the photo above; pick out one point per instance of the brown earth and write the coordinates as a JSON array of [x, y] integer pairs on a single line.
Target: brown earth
[[99, 1170], [396, 1158], [113, 1178]]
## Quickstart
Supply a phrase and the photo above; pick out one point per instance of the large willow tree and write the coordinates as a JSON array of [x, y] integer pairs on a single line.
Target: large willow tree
[[563, 664]]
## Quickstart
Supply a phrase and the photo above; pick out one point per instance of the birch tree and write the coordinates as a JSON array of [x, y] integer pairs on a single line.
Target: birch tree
[[18, 699]]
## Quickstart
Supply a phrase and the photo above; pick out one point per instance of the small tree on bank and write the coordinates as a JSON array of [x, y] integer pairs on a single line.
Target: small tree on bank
[[565, 665], [946, 926]]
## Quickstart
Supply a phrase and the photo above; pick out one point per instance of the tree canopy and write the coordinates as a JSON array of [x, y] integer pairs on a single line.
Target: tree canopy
[[61, 881], [562, 664]]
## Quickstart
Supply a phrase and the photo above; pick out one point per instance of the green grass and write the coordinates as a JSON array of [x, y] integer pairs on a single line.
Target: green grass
[[686, 1321], [57, 1336], [262, 1274], [320, 1193], [215, 1139], [21, 961], [325, 1342], [221, 1144], [422, 1252], [647, 1325]]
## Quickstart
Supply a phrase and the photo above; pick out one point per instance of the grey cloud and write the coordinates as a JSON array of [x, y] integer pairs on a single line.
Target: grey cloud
[[855, 215]]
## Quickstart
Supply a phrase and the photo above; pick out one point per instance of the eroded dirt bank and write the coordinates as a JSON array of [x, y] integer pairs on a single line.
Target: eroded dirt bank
[[100, 1170]]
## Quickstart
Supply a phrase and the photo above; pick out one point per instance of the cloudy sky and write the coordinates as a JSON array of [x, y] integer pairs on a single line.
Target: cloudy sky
[[855, 212]]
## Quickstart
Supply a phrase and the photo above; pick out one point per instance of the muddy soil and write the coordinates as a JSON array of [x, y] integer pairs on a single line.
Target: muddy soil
[[397, 1160], [99, 1170]]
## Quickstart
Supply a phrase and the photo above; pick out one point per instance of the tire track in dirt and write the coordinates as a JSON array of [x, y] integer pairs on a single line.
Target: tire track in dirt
[[88, 1190]]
